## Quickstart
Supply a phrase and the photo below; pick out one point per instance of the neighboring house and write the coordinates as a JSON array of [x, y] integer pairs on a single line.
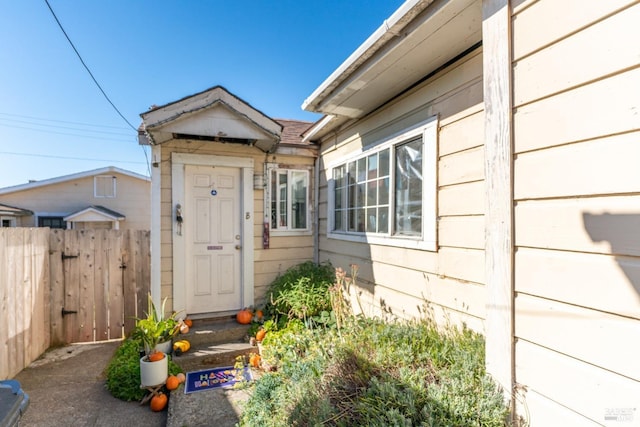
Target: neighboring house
[[12, 217], [107, 198], [483, 157], [231, 201]]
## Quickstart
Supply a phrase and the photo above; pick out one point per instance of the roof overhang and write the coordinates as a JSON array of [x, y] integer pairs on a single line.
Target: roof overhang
[[418, 39], [13, 211], [212, 115], [94, 214]]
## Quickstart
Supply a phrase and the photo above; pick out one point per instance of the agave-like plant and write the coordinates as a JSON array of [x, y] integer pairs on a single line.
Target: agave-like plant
[[155, 328]]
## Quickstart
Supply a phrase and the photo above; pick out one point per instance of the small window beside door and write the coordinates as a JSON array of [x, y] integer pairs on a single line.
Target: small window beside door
[[287, 198], [104, 186]]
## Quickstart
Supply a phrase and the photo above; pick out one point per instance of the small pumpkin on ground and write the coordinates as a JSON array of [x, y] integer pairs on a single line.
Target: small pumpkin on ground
[[244, 316], [172, 382], [254, 360], [158, 402], [260, 335]]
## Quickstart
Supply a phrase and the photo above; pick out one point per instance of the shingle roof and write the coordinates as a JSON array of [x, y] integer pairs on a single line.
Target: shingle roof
[[292, 131]]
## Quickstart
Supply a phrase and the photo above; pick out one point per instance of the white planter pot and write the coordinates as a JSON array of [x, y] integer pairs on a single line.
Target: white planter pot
[[154, 373], [164, 347]]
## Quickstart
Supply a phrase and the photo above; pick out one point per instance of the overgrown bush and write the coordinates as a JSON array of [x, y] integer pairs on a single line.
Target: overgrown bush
[[123, 371], [302, 292], [379, 374]]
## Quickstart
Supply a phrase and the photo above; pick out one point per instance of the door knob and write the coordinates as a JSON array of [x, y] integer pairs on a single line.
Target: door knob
[[238, 247]]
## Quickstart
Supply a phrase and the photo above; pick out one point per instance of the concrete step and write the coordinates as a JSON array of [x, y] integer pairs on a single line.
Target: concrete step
[[214, 343]]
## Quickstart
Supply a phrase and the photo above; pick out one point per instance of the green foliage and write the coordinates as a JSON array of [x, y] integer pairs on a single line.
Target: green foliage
[[123, 371], [156, 328], [373, 373], [302, 292]]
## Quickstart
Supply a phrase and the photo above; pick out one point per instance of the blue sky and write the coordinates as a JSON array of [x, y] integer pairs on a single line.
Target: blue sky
[[53, 118]]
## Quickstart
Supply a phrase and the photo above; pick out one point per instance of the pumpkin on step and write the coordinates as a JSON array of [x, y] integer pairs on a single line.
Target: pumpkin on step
[[244, 316], [158, 402]]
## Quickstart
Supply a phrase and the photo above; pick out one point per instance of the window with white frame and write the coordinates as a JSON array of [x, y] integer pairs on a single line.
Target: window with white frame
[[288, 199], [386, 194], [104, 186]]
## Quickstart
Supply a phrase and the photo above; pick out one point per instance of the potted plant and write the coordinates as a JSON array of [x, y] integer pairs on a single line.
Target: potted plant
[[155, 332]]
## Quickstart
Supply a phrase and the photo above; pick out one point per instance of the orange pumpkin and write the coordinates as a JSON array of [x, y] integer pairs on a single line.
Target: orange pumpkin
[[158, 402], [260, 334], [188, 322], [172, 382], [244, 317], [254, 360], [156, 356], [259, 315]]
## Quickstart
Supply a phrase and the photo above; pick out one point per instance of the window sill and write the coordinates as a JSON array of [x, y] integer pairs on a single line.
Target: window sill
[[399, 242], [284, 233]]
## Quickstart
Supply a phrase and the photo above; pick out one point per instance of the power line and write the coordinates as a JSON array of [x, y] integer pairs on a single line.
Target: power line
[[44, 125], [96, 81], [65, 133], [69, 158], [87, 68], [61, 121]]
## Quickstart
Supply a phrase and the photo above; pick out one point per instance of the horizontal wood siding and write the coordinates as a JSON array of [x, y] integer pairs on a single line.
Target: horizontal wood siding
[[284, 251], [448, 284], [577, 209]]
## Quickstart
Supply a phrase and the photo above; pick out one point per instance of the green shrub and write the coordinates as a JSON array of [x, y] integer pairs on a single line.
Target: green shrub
[[123, 371], [379, 374], [302, 292]]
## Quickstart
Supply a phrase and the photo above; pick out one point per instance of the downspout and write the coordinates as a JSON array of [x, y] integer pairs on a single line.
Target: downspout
[[316, 220], [156, 153]]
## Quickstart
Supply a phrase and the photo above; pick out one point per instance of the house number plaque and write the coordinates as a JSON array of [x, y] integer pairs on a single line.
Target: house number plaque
[[214, 248]]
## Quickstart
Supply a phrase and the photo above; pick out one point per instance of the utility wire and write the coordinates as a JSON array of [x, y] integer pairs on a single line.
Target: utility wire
[[96, 81], [59, 121], [68, 158], [44, 126]]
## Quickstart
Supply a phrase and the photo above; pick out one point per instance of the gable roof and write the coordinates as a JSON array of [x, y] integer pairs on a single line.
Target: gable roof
[[214, 114], [417, 40], [65, 178], [95, 213], [13, 211]]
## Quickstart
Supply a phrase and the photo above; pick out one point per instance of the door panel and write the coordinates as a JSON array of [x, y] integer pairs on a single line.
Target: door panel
[[213, 239]]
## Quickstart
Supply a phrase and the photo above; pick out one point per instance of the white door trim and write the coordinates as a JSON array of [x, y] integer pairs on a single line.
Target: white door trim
[[178, 163]]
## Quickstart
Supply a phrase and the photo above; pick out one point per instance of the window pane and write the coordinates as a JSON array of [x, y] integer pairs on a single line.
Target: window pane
[[360, 223], [383, 191], [372, 193], [282, 202], [299, 199], [361, 188], [352, 220], [351, 172], [383, 158], [372, 220], [372, 166], [338, 198], [383, 220], [351, 201], [337, 220], [362, 169], [274, 199], [408, 191]]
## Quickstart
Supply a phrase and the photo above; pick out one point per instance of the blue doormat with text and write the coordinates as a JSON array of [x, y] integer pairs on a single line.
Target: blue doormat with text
[[216, 378]]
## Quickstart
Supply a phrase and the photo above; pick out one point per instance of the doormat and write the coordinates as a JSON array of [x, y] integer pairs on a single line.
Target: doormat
[[216, 378]]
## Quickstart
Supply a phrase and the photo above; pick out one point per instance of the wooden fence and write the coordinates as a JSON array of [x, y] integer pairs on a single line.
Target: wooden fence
[[63, 286]]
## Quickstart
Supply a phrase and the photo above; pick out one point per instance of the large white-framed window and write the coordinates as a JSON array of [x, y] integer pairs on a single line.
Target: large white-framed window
[[386, 194], [288, 199], [104, 186]]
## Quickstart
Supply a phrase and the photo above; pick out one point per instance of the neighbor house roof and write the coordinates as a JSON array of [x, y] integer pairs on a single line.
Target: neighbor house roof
[[60, 179], [292, 131], [95, 213], [417, 40], [228, 119], [13, 211]]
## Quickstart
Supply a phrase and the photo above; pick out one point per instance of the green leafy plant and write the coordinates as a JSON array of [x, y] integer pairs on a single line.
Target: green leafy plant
[[155, 328], [302, 291], [123, 371]]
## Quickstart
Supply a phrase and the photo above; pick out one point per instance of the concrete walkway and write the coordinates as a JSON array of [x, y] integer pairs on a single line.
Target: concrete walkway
[[66, 387]]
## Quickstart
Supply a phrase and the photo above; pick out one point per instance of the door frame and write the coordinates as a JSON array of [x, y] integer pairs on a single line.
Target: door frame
[[179, 161]]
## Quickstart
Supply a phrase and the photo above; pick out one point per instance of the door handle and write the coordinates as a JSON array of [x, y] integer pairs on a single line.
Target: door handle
[[238, 247]]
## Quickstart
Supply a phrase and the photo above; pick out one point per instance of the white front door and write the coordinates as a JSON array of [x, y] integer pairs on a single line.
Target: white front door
[[212, 227]]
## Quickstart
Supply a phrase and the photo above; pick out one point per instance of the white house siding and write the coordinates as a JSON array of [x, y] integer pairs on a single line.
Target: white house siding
[[63, 198], [450, 279], [576, 87], [283, 252]]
